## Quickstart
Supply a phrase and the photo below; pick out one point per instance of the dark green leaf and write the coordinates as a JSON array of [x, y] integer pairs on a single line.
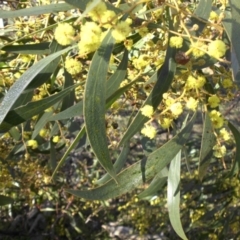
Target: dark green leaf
[[202, 12], [94, 103], [156, 184], [39, 48], [236, 134], [118, 165], [207, 143], [141, 171], [50, 8], [70, 148], [26, 112], [23, 82], [173, 195], [119, 75]]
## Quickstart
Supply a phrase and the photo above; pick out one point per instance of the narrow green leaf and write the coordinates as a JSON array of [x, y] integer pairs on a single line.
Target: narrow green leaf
[[22, 83], [202, 11], [68, 101], [50, 8], [41, 123], [118, 165], [53, 154], [24, 113], [236, 134], [39, 48], [70, 148], [156, 184], [165, 77], [82, 4], [207, 143], [4, 200], [94, 103], [140, 172], [173, 195], [231, 23], [119, 75]]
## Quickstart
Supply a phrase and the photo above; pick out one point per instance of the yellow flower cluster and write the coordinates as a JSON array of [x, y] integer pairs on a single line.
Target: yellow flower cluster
[[216, 118], [192, 104], [149, 131], [73, 66], [195, 83], [219, 151], [121, 30], [217, 48], [64, 34], [214, 101], [32, 143], [176, 42], [90, 38], [147, 111]]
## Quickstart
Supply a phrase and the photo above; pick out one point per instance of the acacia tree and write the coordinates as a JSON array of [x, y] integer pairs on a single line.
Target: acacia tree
[[162, 61]]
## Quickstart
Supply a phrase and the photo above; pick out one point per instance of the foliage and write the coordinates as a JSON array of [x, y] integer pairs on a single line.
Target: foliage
[[99, 77]]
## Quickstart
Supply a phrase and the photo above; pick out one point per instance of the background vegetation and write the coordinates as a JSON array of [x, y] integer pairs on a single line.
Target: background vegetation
[[119, 119]]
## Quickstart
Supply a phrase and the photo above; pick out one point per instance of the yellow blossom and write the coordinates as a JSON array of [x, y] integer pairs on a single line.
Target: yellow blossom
[[216, 119], [143, 31], [56, 139], [213, 101], [147, 111], [97, 11], [213, 16], [149, 131], [108, 19], [73, 66], [224, 134], [43, 133], [227, 83], [141, 62], [32, 143], [176, 42], [176, 109], [64, 33], [219, 151], [192, 104], [89, 30], [197, 49], [217, 48], [121, 31], [165, 123]]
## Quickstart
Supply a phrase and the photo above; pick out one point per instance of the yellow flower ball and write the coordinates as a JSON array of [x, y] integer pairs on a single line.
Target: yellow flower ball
[[32, 143], [64, 34], [192, 104], [227, 83], [213, 101], [176, 42], [56, 139], [149, 131], [219, 151], [108, 19], [217, 48], [73, 66], [176, 109], [147, 111], [216, 119], [165, 123], [224, 134], [97, 11], [121, 31]]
